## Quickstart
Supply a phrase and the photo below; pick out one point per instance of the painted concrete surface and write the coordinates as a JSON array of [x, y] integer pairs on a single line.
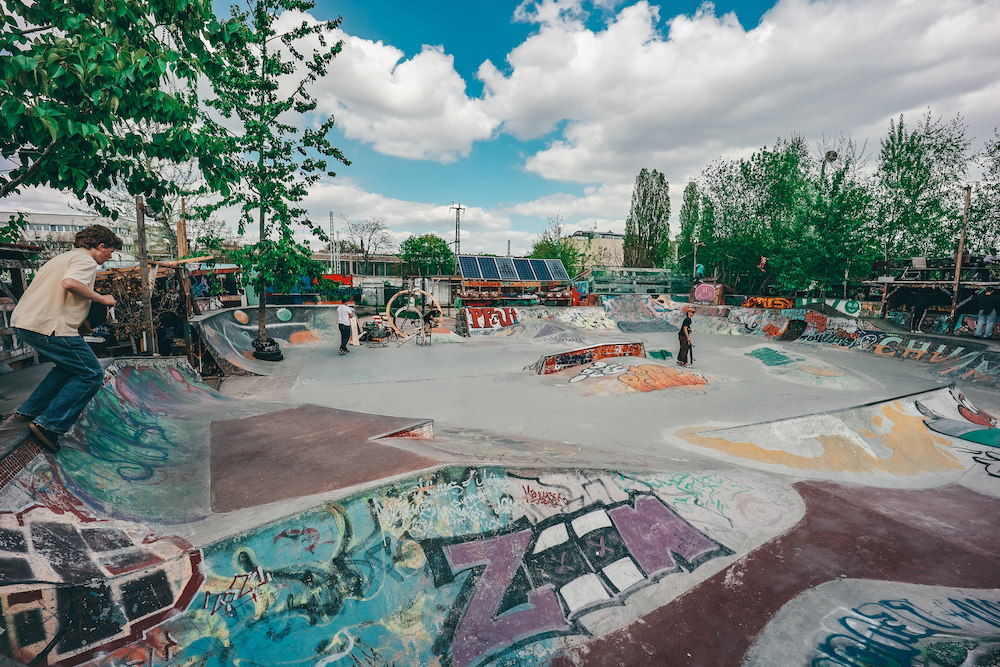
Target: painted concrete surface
[[620, 511]]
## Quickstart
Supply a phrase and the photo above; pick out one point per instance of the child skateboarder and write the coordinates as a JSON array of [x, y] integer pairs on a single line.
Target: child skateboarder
[[48, 317]]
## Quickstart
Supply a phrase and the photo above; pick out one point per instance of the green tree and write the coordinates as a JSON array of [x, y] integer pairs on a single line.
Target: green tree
[[279, 160], [551, 244], [920, 176], [90, 92], [689, 217], [647, 227], [983, 234], [425, 255]]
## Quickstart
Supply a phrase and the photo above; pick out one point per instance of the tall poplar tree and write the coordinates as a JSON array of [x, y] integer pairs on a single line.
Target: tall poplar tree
[[690, 212], [280, 160], [647, 227]]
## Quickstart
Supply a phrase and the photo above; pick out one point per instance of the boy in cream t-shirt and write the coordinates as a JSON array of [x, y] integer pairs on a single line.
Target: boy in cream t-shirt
[[47, 318]]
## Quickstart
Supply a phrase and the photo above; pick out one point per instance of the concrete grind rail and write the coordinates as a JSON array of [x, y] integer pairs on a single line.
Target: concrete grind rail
[[786, 502]]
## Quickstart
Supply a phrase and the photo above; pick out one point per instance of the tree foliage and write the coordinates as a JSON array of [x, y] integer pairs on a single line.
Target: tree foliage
[[85, 98], [551, 244], [278, 160], [983, 235], [919, 185], [647, 227], [425, 255]]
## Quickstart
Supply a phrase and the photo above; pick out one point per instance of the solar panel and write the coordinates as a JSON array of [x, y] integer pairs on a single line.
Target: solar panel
[[541, 271], [557, 269], [470, 269], [488, 266], [524, 271], [506, 266]]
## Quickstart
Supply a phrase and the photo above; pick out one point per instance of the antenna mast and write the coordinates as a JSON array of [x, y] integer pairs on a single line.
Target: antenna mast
[[458, 227]]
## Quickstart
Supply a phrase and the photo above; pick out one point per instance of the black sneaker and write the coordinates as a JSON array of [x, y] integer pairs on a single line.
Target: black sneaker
[[46, 437]]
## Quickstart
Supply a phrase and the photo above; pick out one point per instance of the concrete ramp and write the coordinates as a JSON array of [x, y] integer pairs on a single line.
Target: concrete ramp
[[553, 363], [914, 441]]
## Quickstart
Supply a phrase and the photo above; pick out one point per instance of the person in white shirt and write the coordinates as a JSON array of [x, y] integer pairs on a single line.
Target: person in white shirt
[[48, 317], [344, 315]]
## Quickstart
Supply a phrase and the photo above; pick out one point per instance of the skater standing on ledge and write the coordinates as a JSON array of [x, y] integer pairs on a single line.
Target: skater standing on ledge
[[344, 315], [48, 317], [685, 338]]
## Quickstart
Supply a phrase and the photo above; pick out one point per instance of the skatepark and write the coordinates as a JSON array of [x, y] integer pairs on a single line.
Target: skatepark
[[550, 490]]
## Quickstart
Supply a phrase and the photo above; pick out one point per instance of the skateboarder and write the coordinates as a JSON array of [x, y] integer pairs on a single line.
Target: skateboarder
[[684, 335], [48, 317], [344, 315]]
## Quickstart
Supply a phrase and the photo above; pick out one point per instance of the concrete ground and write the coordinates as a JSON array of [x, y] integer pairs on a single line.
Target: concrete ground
[[587, 517]]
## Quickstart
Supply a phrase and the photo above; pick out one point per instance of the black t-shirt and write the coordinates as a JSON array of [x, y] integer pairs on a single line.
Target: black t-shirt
[[686, 324]]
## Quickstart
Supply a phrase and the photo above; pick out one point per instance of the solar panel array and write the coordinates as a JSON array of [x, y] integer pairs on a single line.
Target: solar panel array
[[540, 269], [488, 266], [470, 269], [506, 268], [557, 269], [524, 271]]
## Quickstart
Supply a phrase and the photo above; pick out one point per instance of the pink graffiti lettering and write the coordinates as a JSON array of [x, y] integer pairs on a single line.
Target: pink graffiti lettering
[[481, 633], [653, 534], [547, 498]]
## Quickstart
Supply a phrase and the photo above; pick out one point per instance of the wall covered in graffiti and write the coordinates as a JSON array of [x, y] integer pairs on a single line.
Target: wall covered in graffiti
[[638, 313], [553, 363], [464, 567], [883, 623], [958, 358]]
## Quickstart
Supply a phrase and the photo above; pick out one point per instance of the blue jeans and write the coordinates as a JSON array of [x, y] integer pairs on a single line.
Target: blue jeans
[[987, 320], [66, 390]]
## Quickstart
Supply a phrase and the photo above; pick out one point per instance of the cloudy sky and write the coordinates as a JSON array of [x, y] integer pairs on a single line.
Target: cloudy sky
[[524, 111]]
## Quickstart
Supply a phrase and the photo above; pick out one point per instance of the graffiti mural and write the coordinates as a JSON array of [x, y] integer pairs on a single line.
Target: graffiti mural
[[801, 369], [603, 378], [768, 302], [467, 566], [883, 623], [553, 363], [490, 318], [875, 444], [73, 585], [633, 313]]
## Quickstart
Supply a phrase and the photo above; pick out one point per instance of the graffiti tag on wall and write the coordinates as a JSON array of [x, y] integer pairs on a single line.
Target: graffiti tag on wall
[[491, 318], [560, 568]]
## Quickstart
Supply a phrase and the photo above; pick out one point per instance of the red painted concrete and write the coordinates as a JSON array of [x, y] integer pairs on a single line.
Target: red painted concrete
[[306, 450], [841, 535]]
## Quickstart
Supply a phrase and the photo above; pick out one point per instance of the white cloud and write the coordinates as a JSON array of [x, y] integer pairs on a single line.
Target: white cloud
[[414, 108], [635, 99]]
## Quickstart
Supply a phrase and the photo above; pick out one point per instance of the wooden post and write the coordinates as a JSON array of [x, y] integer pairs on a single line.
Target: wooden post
[[148, 345], [182, 241], [958, 258]]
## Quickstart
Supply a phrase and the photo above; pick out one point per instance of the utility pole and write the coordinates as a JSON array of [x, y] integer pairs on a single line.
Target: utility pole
[[333, 247], [182, 239], [458, 227], [958, 257], [148, 345]]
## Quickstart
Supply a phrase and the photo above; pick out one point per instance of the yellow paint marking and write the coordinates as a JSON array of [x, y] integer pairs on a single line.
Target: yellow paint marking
[[915, 449]]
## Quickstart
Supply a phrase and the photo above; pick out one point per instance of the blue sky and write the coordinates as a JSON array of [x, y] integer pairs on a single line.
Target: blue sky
[[527, 110]]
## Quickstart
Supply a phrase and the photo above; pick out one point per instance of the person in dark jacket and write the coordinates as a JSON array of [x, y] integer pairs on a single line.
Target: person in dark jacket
[[988, 302]]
